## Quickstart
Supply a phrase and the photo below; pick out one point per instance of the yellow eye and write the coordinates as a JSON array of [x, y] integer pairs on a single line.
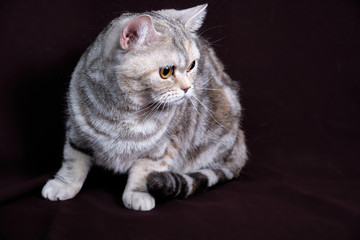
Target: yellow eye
[[192, 65], [166, 72]]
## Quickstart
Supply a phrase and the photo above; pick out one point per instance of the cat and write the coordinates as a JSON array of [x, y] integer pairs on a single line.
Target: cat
[[151, 99]]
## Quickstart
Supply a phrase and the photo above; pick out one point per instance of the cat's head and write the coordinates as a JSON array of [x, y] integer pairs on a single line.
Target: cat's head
[[158, 56]]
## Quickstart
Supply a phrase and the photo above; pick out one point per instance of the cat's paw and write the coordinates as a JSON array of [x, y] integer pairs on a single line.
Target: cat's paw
[[141, 201], [57, 190]]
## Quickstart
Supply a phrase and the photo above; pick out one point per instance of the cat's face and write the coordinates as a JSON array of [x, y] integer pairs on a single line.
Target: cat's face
[[161, 65], [165, 75]]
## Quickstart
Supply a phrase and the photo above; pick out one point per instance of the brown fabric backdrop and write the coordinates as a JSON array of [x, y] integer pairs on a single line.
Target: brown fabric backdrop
[[298, 64]]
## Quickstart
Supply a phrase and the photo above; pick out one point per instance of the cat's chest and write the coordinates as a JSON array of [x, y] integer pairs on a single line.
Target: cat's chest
[[134, 129], [120, 152], [133, 137]]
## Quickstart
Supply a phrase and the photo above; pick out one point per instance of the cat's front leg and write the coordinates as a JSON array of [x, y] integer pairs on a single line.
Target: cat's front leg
[[135, 195], [71, 176]]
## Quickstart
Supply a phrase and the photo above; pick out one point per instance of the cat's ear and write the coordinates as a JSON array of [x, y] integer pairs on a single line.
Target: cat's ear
[[192, 18], [137, 32]]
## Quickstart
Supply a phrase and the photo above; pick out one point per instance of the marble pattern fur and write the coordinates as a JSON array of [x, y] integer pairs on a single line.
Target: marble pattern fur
[[173, 136]]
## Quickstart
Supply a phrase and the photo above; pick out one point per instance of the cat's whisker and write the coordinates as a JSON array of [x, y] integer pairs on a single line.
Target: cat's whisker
[[210, 89], [218, 40], [146, 113], [206, 108], [211, 28], [163, 106], [151, 113], [204, 120], [209, 111], [158, 106], [143, 110], [149, 110], [211, 77]]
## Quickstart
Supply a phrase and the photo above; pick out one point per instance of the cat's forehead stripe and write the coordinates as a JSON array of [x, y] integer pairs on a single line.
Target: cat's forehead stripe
[[184, 49], [188, 48], [180, 39]]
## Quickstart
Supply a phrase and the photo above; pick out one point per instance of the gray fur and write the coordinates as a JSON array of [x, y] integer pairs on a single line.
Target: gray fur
[[133, 121]]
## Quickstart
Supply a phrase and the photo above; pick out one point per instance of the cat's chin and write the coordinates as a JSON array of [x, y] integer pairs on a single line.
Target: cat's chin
[[178, 101], [175, 102]]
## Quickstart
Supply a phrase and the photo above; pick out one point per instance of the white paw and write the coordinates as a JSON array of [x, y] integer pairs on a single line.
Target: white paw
[[141, 201], [57, 190]]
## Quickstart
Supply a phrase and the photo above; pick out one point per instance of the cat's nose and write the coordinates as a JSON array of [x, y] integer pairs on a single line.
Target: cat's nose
[[186, 89]]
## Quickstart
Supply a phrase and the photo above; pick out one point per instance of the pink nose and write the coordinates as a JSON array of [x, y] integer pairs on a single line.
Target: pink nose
[[185, 89]]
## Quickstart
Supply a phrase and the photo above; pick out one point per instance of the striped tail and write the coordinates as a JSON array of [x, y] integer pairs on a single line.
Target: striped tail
[[164, 185]]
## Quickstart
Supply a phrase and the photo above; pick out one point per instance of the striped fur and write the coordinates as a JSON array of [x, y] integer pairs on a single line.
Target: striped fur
[[163, 185], [175, 136]]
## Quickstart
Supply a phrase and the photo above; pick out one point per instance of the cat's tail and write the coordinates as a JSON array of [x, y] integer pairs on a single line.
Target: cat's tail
[[163, 185]]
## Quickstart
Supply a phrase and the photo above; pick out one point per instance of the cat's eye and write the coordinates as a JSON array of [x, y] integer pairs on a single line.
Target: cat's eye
[[192, 65], [166, 72]]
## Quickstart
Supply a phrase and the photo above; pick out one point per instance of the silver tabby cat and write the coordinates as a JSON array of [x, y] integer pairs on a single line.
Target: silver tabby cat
[[150, 98]]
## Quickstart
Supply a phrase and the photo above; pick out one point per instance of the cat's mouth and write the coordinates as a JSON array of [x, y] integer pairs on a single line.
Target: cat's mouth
[[177, 101], [181, 99], [174, 99]]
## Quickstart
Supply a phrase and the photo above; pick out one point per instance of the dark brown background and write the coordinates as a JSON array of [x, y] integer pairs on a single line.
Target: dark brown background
[[298, 64]]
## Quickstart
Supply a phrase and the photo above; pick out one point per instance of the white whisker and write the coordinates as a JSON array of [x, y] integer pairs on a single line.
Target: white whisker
[[211, 77], [204, 120], [213, 42], [151, 113], [219, 26], [143, 110], [209, 111], [210, 89]]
